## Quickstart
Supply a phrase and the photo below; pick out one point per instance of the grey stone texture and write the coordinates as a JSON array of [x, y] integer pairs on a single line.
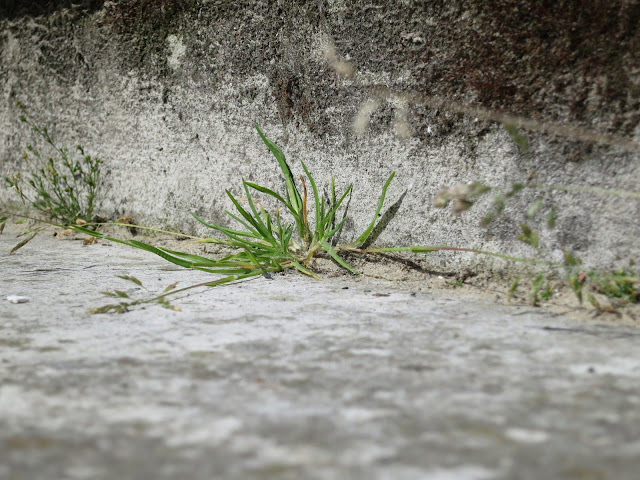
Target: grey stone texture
[[166, 93], [294, 378]]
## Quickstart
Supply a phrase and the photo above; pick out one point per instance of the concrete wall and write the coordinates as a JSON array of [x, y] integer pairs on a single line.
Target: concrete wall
[[166, 92]]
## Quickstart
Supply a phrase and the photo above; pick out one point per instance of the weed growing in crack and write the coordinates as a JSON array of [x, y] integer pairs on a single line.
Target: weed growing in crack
[[62, 188], [264, 242]]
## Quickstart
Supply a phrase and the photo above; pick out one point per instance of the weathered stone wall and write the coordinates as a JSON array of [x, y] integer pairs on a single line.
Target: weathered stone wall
[[166, 92]]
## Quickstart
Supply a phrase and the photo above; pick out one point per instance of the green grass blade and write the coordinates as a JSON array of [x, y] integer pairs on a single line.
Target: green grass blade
[[284, 234], [247, 216], [267, 220], [316, 198], [304, 270], [194, 259], [254, 260], [337, 257], [152, 229], [274, 195], [439, 248], [363, 238], [292, 192], [260, 225], [170, 258], [254, 233], [233, 278], [31, 230], [227, 271], [238, 233], [335, 208], [133, 243], [331, 233], [323, 215]]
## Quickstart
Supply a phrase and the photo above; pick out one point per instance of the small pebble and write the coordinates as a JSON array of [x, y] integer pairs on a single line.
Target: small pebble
[[17, 299]]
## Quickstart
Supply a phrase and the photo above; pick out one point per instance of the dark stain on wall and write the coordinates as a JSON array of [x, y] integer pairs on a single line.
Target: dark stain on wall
[[143, 26], [562, 60], [21, 8]]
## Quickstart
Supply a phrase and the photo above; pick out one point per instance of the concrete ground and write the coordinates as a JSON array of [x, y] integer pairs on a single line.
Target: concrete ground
[[292, 378]]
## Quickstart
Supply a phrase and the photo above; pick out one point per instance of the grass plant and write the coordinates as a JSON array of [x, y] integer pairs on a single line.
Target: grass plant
[[287, 238], [61, 187], [266, 242]]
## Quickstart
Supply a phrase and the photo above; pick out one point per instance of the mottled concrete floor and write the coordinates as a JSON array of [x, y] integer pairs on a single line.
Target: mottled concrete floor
[[293, 378]]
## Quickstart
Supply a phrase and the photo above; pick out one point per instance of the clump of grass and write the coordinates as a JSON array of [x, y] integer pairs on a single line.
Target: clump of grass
[[61, 187], [622, 285], [287, 238], [265, 242]]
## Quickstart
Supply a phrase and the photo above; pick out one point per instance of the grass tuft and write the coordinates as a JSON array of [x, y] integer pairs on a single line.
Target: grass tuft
[[265, 242], [61, 187]]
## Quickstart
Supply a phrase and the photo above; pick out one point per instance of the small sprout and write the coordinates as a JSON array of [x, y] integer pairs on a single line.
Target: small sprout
[[600, 307], [592, 300], [621, 284], [536, 286], [547, 292], [513, 288], [487, 219], [529, 236], [570, 260], [515, 188], [576, 285]]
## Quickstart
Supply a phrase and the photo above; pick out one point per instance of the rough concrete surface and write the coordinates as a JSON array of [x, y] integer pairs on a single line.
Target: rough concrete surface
[[166, 93], [293, 378]]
